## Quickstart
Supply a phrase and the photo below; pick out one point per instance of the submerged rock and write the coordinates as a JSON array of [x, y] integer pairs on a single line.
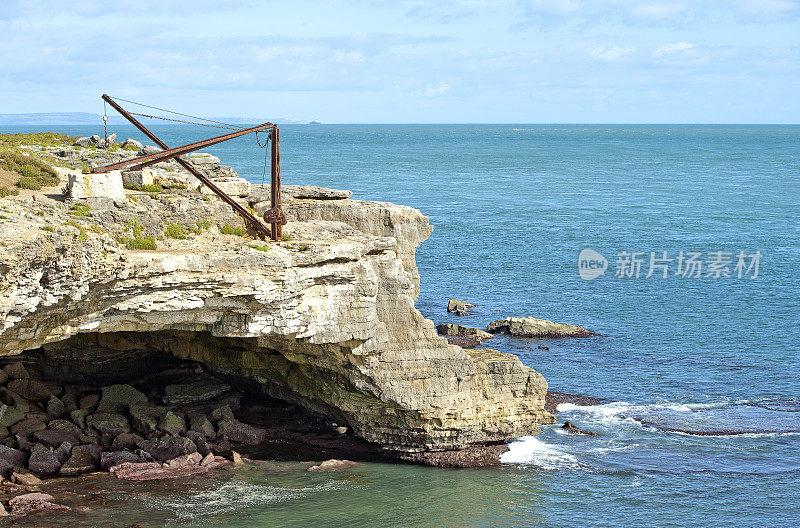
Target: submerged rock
[[33, 502], [572, 429], [454, 305], [463, 336], [333, 465], [532, 327]]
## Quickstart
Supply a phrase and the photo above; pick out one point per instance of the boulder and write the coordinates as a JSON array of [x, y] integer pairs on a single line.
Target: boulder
[[63, 452], [27, 426], [202, 425], [230, 186], [223, 412], [54, 438], [202, 390], [572, 429], [33, 502], [10, 415], [192, 459], [64, 425], [172, 423], [454, 305], [132, 144], [109, 459], [126, 441], [168, 447], [5, 469], [30, 389], [84, 142], [532, 327], [16, 371], [202, 159], [3, 377], [333, 465], [149, 149], [241, 432], [89, 401], [24, 477], [55, 406], [118, 398], [83, 459], [108, 423], [145, 417], [79, 417], [15, 457], [43, 461]]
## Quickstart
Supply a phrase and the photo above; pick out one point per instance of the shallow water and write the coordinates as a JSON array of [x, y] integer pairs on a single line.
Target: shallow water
[[512, 210]]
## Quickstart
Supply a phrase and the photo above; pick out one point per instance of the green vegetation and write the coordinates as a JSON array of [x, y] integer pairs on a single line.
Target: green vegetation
[[34, 173], [144, 188], [173, 186], [39, 213], [42, 139], [139, 241], [175, 231], [79, 209], [8, 192], [238, 231], [286, 238], [49, 228], [303, 248], [258, 247]]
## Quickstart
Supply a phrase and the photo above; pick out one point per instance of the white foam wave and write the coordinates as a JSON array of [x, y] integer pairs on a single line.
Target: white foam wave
[[531, 451]]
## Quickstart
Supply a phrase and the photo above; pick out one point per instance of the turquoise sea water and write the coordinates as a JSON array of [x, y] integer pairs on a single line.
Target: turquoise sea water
[[513, 206]]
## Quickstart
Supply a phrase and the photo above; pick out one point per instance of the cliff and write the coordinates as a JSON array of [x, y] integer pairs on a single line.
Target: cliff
[[325, 320]]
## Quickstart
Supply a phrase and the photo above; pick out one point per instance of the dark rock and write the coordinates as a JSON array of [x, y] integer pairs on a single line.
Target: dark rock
[[55, 407], [6, 468], [55, 438], [43, 461], [3, 377], [194, 392], [172, 423], [70, 399], [3, 432], [202, 425], [108, 423], [16, 371], [10, 415], [126, 441], [27, 426], [570, 428], [64, 425], [221, 444], [78, 416], [203, 446], [169, 447], [89, 401], [241, 432], [83, 459], [63, 452], [144, 417], [30, 389], [232, 399], [117, 398], [223, 412], [109, 459], [24, 443]]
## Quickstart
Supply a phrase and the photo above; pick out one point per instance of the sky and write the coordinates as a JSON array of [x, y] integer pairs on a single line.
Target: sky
[[399, 61]]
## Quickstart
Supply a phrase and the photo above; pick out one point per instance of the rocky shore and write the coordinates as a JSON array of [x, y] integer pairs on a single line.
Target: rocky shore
[[109, 290]]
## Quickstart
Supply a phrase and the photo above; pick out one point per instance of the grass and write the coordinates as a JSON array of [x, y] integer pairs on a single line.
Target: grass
[[79, 209], [258, 247], [4, 191], [48, 228], [238, 231], [34, 173], [155, 188], [42, 139], [175, 231], [138, 241], [286, 238], [303, 248]]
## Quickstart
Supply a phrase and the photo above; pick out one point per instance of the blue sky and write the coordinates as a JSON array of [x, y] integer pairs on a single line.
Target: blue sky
[[490, 61]]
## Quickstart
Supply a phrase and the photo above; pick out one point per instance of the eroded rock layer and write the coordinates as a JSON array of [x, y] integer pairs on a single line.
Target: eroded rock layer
[[326, 320]]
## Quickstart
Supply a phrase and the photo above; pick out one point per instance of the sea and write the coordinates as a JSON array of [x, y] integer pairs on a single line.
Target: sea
[[678, 246]]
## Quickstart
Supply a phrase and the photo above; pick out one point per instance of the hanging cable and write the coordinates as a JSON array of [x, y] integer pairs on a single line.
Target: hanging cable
[[233, 127]]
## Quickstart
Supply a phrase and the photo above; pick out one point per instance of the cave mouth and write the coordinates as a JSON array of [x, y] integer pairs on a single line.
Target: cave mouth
[[117, 392]]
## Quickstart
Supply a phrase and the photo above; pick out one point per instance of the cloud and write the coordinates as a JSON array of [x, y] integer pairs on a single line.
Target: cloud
[[15, 9], [435, 90], [673, 48]]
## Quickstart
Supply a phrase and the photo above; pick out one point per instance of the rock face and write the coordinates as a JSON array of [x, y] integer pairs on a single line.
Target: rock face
[[326, 321], [532, 327], [463, 336]]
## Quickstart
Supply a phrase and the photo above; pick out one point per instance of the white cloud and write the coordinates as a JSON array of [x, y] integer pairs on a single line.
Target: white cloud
[[674, 48], [435, 90], [610, 52]]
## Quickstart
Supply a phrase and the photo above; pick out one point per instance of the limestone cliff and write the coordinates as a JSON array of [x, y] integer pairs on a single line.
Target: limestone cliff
[[326, 320]]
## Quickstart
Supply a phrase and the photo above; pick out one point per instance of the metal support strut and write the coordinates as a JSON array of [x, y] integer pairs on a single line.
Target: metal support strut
[[275, 215]]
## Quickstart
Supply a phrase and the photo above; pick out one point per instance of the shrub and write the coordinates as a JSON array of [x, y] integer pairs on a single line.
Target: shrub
[[146, 243], [34, 170], [286, 238], [79, 209], [238, 231], [48, 228], [144, 188], [303, 248], [28, 183], [259, 248], [175, 231], [8, 192]]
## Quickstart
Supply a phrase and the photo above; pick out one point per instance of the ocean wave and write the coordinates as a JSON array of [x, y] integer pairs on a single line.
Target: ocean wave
[[531, 451]]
